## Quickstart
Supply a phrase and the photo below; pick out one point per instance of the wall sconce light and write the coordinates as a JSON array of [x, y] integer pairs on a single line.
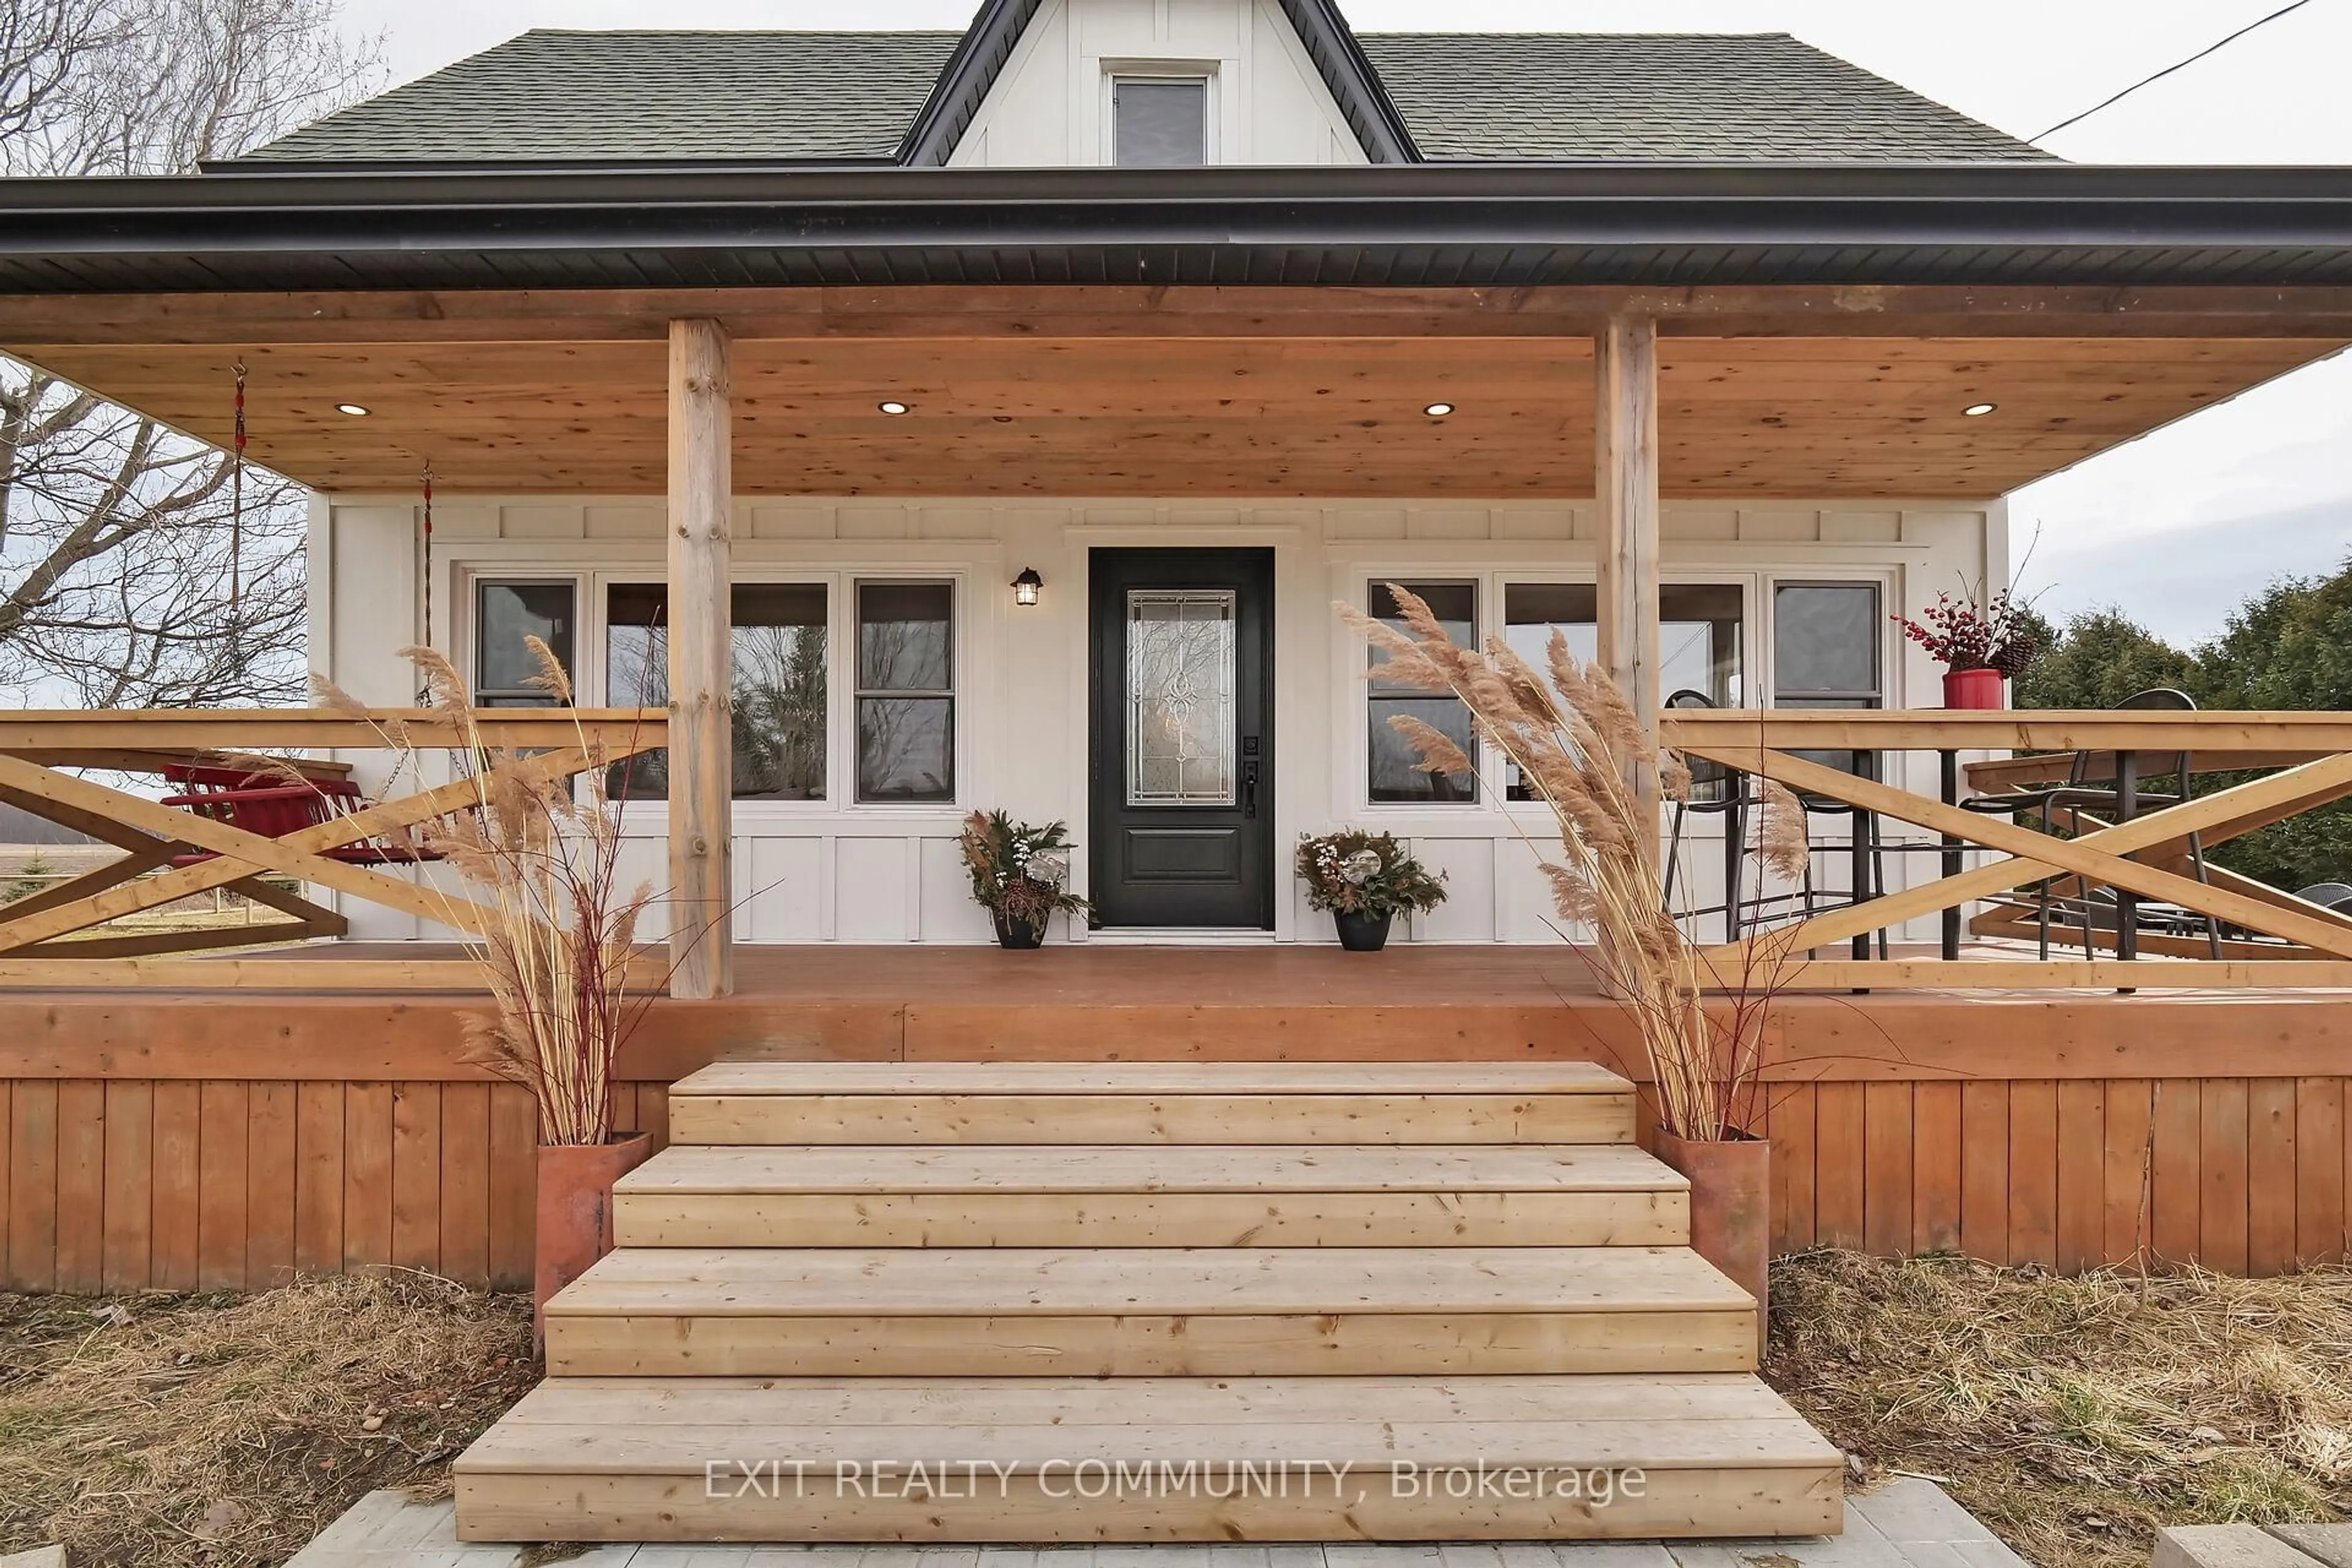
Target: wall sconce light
[[1025, 586]]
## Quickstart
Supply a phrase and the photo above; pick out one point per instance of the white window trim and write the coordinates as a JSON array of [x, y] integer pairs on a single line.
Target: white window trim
[[1351, 784], [1205, 73], [839, 578]]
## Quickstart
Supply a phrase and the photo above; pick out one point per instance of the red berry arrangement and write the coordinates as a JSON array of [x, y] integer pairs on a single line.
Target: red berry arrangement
[[1960, 635]]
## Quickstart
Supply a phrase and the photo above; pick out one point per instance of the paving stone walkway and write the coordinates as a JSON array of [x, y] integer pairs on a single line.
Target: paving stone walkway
[[1910, 1524]]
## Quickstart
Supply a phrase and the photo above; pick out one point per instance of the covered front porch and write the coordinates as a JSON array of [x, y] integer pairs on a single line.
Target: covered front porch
[[1753, 453]]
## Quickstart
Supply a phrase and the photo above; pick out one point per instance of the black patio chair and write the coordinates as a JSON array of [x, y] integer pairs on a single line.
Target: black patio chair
[[2336, 896], [2078, 795]]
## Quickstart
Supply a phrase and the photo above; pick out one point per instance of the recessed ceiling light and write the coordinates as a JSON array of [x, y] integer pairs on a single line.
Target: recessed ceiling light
[[355, 410], [1977, 410], [891, 405], [1438, 410]]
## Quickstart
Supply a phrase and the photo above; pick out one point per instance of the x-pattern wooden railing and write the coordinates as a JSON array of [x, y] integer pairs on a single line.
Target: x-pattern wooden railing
[[38, 945], [2149, 856]]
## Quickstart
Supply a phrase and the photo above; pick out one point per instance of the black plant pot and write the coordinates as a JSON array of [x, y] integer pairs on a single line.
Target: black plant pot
[[1363, 933], [1013, 931]]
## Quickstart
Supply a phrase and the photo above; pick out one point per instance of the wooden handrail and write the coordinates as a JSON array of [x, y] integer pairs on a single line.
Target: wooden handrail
[[2214, 731], [2148, 856], [41, 940], [42, 733]]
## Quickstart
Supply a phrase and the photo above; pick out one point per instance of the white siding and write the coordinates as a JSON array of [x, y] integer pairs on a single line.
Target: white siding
[[831, 871], [1048, 109]]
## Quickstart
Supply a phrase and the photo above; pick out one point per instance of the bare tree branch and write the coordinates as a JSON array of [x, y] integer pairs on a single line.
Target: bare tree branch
[[115, 532]]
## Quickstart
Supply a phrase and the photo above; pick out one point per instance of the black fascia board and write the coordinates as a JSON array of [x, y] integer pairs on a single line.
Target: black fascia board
[[954, 100], [405, 218], [1363, 98]]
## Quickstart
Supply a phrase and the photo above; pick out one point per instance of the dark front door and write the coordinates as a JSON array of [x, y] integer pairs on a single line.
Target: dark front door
[[1182, 793]]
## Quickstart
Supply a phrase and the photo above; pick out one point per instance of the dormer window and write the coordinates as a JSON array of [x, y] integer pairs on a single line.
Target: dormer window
[[1159, 122]]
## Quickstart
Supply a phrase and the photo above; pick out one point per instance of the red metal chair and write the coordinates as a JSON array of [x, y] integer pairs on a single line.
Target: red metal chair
[[270, 805]]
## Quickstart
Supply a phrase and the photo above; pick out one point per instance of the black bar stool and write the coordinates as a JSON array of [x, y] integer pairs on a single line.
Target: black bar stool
[[1727, 795]]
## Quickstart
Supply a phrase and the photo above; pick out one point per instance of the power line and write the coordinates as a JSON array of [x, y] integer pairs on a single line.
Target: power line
[[2177, 65]]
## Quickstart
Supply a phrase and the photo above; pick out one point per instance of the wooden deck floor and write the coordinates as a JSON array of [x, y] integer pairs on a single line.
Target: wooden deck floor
[[1118, 1002]]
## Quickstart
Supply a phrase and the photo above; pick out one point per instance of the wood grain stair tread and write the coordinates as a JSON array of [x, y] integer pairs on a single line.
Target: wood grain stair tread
[[1152, 1168], [1031, 1079], [1316, 1282], [674, 1425]]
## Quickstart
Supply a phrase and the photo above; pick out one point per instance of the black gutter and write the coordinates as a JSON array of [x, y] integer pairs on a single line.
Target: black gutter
[[2009, 222], [520, 185]]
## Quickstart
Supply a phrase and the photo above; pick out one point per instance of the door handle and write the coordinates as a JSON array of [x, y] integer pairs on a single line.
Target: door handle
[[1249, 790]]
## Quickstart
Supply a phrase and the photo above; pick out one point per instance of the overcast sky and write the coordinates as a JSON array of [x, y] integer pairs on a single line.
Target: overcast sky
[[2176, 527]]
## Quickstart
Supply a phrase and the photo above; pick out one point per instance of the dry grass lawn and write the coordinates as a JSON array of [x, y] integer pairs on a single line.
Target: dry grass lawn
[[2076, 1416], [226, 1430]]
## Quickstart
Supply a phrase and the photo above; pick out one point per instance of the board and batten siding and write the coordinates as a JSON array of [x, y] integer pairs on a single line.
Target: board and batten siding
[[1049, 109], [831, 871]]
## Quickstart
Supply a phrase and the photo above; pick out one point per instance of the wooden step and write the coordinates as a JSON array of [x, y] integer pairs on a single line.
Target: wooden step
[[963, 1196], [1180, 1102], [1079, 1460], [1149, 1312]]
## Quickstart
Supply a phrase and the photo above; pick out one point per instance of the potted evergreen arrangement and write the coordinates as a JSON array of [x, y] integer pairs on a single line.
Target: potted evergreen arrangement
[[1366, 880], [1020, 875]]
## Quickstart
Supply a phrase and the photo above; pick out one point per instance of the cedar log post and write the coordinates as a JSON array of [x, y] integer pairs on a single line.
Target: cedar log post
[[701, 677], [1625, 485]]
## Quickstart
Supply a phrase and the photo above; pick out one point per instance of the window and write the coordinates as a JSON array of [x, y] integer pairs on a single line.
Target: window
[[505, 670], [1699, 631], [1160, 122], [1395, 770], [1699, 636], [1826, 639], [779, 690], [1826, 645], [906, 693]]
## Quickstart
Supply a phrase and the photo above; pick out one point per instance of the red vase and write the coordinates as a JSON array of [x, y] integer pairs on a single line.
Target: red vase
[[574, 1212], [1975, 689]]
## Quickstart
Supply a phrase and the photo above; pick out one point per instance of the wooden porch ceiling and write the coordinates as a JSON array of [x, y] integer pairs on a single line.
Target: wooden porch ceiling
[[1130, 404]]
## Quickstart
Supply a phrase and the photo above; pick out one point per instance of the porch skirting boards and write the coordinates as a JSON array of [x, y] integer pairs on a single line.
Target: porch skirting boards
[[158, 1140]]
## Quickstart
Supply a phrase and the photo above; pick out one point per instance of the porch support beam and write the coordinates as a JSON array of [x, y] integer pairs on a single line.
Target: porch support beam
[[31, 323], [1625, 485], [701, 722]]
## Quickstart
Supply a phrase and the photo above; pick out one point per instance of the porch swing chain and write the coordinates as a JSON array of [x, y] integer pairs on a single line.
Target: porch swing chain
[[237, 507], [424, 693]]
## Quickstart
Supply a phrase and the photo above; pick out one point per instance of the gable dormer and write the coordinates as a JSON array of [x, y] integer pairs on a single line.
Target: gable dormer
[[1155, 83]]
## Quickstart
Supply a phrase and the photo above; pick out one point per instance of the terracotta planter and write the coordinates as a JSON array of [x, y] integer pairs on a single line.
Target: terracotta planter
[[1014, 932], [1362, 932], [1982, 688], [575, 1210], [1731, 1211]]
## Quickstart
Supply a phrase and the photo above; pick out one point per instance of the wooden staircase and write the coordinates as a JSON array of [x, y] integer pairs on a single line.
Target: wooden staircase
[[1031, 1302]]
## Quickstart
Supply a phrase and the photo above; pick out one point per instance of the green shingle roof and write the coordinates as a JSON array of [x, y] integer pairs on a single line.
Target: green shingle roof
[[1639, 97], [581, 97], [621, 97]]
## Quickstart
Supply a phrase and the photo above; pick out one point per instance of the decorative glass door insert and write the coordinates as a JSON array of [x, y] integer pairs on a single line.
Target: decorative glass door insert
[[1180, 692]]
